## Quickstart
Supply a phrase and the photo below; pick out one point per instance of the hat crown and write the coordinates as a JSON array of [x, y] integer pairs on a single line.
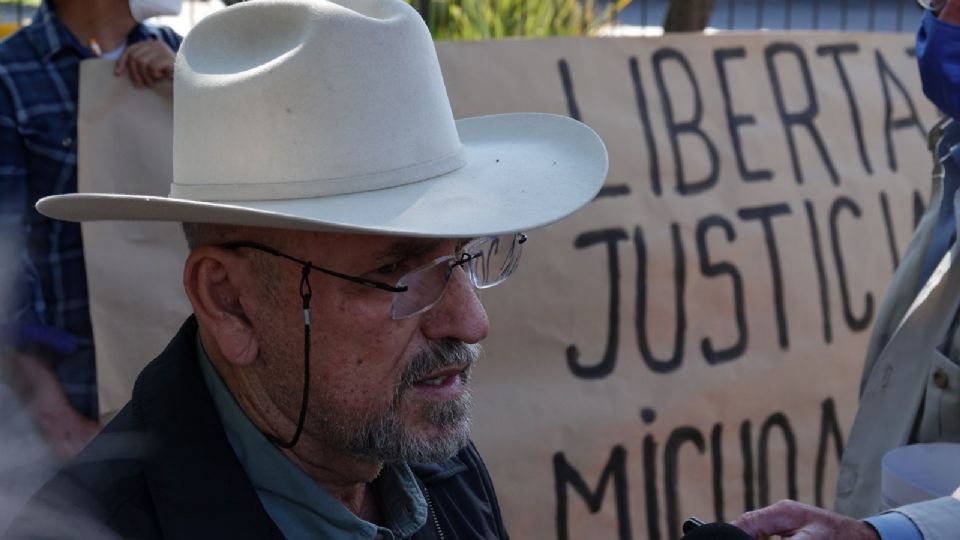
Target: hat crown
[[283, 99]]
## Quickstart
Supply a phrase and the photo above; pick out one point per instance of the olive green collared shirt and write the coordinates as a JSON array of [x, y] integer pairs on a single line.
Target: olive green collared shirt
[[299, 507]]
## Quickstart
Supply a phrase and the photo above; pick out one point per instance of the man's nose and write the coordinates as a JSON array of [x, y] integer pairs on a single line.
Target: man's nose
[[459, 314]]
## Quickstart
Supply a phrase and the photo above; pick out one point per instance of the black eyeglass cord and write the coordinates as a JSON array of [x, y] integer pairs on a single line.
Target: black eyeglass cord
[[306, 293]]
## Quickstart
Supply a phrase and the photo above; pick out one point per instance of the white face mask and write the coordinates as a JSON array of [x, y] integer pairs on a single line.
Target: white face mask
[[144, 9]]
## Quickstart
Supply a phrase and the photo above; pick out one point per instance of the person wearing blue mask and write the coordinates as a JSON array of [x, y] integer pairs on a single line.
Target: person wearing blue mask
[[48, 351], [910, 389]]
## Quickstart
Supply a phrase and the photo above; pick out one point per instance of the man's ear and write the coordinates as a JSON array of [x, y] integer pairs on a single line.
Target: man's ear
[[212, 278]]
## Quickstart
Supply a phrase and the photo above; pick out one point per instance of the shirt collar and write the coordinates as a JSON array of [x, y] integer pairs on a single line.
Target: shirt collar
[[49, 35], [293, 500]]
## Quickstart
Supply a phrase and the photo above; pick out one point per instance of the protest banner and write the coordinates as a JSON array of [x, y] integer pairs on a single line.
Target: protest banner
[[691, 342], [134, 270]]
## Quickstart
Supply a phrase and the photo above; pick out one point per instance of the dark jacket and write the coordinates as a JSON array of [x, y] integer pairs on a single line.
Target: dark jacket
[[163, 468]]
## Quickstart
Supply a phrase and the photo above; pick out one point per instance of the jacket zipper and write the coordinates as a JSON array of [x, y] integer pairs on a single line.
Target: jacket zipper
[[436, 522]]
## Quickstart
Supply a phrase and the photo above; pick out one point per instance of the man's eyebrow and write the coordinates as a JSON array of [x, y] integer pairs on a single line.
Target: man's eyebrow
[[409, 248]]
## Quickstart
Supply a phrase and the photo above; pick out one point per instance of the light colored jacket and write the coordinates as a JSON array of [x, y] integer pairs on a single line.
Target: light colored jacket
[[910, 389]]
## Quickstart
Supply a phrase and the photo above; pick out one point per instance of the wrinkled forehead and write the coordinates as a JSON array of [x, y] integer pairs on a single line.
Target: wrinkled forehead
[[404, 248], [362, 246]]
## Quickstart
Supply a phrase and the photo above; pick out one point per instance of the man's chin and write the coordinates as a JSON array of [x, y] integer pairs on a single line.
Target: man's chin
[[432, 450], [415, 432], [430, 441]]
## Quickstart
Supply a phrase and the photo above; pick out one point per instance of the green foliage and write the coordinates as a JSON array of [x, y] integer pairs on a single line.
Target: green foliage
[[492, 19], [32, 3]]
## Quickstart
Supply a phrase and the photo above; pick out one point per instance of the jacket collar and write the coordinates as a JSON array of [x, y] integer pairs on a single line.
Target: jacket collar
[[197, 483]]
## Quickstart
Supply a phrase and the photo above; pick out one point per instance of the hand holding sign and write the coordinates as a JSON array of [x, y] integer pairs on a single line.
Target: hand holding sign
[[148, 62], [791, 519]]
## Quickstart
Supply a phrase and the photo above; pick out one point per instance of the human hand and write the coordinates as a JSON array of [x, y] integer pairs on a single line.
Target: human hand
[[68, 433], [64, 429], [147, 62], [798, 521]]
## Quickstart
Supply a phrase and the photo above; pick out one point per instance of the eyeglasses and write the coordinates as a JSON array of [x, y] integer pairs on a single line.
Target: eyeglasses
[[488, 262]]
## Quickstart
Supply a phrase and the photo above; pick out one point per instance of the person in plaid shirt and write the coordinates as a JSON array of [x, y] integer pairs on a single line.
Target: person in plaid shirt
[[49, 358]]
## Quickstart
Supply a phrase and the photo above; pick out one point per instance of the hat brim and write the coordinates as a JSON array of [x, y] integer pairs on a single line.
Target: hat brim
[[523, 171]]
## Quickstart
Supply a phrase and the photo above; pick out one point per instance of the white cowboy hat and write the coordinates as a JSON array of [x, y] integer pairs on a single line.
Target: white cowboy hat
[[303, 114]]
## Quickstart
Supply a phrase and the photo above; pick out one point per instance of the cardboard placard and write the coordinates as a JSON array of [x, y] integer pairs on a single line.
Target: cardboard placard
[[134, 270]]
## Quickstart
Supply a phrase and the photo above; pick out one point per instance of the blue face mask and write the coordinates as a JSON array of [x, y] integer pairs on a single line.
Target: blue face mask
[[938, 55]]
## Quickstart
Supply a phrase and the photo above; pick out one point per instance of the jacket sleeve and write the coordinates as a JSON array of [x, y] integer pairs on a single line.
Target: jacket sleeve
[[937, 519]]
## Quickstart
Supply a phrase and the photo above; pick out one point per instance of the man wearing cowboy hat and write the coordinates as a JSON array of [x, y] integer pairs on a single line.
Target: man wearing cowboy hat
[[321, 388]]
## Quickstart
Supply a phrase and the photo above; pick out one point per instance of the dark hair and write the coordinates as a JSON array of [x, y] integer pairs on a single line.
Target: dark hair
[[191, 231]]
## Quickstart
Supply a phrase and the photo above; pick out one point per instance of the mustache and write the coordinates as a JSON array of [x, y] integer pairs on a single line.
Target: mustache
[[443, 354]]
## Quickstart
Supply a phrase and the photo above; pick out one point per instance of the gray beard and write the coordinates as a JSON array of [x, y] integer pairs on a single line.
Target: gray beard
[[386, 438]]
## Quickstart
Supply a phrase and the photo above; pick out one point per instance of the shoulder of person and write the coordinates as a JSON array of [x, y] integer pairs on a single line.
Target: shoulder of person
[[165, 34], [101, 493], [18, 47]]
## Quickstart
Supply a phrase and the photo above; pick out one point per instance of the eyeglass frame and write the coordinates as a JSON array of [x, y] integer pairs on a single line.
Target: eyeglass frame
[[456, 260]]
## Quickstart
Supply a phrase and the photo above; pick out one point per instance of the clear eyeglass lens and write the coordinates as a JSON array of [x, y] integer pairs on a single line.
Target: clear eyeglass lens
[[424, 286], [491, 261]]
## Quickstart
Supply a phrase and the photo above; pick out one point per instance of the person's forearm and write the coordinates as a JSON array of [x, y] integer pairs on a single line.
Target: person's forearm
[[64, 429], [36, 385]]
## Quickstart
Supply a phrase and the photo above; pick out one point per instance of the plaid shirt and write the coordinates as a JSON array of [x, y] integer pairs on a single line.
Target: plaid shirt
[[39, 76]]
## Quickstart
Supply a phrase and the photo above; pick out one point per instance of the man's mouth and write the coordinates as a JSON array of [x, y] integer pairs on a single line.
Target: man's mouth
[[444, 382], [436, 381]]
